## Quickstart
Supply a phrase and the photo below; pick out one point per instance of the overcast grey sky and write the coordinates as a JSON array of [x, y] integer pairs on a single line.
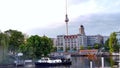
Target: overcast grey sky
[[46, 17]]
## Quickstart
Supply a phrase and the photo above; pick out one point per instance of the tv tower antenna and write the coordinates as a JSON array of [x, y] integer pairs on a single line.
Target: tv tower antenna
[[66, 18]]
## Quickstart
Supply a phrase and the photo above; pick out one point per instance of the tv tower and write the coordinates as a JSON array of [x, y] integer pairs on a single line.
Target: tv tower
[[66, 18]]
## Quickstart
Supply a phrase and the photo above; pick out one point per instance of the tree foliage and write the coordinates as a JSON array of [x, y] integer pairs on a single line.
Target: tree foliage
[[16, 39], [4, 40], [47, 45], [37, 46], [113, 42], [34, 47], [97, 46], [81, 47], [106, 45], [89, 47], [54, 49]]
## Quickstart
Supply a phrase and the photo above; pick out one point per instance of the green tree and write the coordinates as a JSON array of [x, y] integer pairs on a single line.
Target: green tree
[[25, 50], [54, 49], [89, 47], [116, 48], [106, 45], [81, 47], [47, 45], [39, 46], [112, 42], [97, 46], [33, 44], [4, 40], [16, 39]]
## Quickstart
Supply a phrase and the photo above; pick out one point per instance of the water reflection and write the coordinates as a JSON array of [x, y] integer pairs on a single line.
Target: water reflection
[[111, 62], [84, 62], [78, 62], [81, 62], [56, 67]]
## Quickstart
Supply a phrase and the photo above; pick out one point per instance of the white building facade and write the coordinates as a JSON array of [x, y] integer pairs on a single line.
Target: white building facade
[[71, 42], [74, 42]]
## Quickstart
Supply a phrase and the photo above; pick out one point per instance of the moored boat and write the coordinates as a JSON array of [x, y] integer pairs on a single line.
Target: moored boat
[[51, 62]]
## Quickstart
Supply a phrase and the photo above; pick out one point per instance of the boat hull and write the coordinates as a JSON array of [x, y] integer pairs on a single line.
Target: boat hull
[[37, 64]]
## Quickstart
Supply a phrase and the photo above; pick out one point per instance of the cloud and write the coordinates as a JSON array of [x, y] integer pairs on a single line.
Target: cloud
[[108, 5], [24, 15], [44, 16], [75, 2], [99, 23], [94, 24], [50, 32], [94, 6]]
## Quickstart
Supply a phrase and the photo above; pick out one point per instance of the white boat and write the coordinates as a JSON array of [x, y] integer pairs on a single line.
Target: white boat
[[50, 62]]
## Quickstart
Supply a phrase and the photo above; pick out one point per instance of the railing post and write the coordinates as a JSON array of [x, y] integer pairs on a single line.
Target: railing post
[[91, 64], [102, 59]]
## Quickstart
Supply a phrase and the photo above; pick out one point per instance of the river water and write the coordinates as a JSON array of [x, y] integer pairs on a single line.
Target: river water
[[83, 62]]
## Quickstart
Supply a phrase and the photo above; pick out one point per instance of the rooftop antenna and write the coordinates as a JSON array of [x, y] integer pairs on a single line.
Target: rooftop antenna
[[66, 18]]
